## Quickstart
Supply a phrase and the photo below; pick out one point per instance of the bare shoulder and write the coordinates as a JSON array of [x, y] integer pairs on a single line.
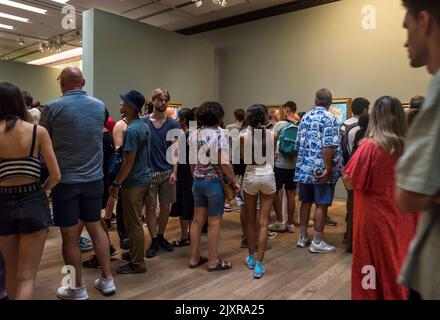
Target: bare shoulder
[[42, 132]]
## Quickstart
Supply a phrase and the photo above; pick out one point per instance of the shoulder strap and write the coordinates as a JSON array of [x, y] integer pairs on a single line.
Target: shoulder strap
[[34, 139], [348, 129]]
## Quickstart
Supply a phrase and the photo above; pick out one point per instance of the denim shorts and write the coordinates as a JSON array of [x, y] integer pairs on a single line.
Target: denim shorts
[[209, 194], [79, 201], [24, 213], [319, 194]]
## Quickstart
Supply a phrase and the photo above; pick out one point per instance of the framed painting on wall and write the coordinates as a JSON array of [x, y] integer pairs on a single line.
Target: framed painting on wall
[[277, 110], [406, 105], [341, 109], [173, 110]]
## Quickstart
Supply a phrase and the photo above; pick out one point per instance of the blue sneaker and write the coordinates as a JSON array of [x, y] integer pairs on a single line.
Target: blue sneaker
[[259, 270], [85, 243], [250, 261]]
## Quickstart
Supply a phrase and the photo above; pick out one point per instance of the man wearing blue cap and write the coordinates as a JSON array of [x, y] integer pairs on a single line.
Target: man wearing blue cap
[[133, 179]]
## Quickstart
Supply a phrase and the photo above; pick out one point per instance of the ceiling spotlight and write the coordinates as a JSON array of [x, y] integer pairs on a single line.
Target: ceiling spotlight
[[42, 47], [20, 41], [222, 3]]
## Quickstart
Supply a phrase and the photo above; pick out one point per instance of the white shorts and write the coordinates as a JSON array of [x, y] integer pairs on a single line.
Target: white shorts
[[254, 184]]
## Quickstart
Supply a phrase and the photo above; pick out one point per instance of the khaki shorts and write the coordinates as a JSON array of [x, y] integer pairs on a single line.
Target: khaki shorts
[[254, 184], [161, 186]]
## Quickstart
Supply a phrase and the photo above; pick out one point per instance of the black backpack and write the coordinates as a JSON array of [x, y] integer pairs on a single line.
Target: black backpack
[[343, 133]]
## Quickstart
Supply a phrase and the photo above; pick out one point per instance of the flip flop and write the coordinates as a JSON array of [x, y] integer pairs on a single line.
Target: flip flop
[[221, 265], [202, 261]]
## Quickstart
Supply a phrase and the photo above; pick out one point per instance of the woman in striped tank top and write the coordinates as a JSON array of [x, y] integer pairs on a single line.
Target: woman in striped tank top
[[24, 209]]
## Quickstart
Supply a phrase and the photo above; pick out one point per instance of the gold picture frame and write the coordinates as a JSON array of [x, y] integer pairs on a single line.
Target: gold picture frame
[[277, 108], [173, 109], [341, 109]]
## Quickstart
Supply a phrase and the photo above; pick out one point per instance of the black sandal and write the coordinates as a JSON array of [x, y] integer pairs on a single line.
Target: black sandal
[[202, 261], [221, 265], [181, 243]]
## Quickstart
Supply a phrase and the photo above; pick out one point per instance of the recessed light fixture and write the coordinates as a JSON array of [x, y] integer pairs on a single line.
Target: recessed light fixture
[[12, 17], [23, 6], [5, 26], [66, 55], [61, 1]]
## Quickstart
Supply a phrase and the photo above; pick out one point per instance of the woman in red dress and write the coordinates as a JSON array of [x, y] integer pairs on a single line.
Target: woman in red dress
[[382, 232]]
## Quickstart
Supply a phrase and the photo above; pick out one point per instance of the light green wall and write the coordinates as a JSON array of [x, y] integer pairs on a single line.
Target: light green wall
[[40, 81], [121, 54], [291, 56]]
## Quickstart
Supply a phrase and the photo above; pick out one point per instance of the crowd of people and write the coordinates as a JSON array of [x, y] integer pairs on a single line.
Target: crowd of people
[[151, 166]]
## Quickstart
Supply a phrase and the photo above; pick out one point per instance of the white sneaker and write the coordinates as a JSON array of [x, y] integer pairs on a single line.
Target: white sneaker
[[302, 242], [106, 286], [65, 293], [291, 228], [322, 247], [311, 223], [227, 207], [277, 226], [271, 235]]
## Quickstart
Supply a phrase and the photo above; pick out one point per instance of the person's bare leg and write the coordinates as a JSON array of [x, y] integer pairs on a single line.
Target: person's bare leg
[[214, 226], [30, 250], [80, 226], [304, 213], [104, 226], [164, 216], [109, 208], [9, 250], [243, 222], [184, 227], [199, 219], [291, 205], [251, 221], [266, 202], [278, 204], [71, 251], [102, 246], [320, 216], [150, 214]]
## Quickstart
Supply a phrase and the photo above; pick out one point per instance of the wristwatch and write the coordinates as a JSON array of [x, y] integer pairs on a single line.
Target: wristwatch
[[117, 185]]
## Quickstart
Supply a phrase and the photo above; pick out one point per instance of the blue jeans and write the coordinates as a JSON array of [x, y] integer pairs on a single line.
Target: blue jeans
[[24, 213], [209, 194]]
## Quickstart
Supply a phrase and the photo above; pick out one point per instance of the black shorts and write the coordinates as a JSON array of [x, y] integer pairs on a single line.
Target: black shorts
[[24, 213], [285, 177], [79, 201]]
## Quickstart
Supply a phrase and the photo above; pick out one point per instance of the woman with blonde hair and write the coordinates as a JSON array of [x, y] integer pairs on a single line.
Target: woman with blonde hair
[[382, 232]]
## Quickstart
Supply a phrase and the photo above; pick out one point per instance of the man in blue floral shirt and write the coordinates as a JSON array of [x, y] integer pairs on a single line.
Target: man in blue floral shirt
[[318, 168]]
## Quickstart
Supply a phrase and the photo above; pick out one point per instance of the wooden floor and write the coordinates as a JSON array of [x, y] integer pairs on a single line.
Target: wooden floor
[[292, 273]]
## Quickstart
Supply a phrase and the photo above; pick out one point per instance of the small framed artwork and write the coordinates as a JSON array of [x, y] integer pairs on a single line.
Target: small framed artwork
[[277, 110], [341, 109], [173, 110]]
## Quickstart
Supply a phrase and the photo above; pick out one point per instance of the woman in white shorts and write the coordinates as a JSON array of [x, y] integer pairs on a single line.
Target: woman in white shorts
[[257, 146]]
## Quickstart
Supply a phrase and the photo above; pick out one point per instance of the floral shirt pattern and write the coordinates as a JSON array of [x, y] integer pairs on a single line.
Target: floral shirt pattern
[[318, 129], [201, 143]]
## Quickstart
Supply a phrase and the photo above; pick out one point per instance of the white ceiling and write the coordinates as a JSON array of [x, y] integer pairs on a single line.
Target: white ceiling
[[167, 14]]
